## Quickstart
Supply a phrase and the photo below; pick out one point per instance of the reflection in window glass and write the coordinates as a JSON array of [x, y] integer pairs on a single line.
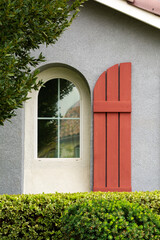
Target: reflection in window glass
[[58, 120], [48, 138], [69, 138], [69, 103], [48, 99]]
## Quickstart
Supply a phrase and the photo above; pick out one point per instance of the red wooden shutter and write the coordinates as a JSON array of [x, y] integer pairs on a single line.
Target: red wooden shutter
[[112, 130]]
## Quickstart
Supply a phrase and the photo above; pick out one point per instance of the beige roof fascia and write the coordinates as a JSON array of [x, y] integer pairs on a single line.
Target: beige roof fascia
[[124, 7]]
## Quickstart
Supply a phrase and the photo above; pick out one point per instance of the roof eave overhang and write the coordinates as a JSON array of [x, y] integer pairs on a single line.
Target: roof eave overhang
[[124, 7]]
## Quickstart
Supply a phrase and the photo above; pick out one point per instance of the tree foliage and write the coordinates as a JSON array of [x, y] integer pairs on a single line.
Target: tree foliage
[[24, 25]]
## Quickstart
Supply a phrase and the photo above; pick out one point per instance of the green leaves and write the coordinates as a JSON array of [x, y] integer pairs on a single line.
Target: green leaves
[[24, 25], [81, 216], [122, 220]]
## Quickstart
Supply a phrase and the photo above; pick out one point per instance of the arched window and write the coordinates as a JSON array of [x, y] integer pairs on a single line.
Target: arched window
[[57, 133], [58, 120]]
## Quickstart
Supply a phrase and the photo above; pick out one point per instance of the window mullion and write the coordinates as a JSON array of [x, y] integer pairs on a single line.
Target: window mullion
[[58, 117]]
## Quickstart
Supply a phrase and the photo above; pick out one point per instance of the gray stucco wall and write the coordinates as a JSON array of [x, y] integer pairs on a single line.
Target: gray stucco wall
[[98, 39], [11, 155]]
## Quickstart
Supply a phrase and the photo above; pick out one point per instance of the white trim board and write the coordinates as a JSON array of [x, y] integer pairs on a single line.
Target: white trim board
[[124, 7]]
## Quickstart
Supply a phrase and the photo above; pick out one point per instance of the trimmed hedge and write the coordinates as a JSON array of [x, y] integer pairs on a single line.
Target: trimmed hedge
[[44, 216], [100, 219]]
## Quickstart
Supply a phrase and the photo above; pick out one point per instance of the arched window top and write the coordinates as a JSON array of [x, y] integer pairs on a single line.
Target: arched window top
[[58, 120], [57, 97]]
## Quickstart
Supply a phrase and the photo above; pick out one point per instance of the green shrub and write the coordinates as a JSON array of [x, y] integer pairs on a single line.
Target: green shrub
[[31, 217], [101, 219], [149, 199], [41, 216]]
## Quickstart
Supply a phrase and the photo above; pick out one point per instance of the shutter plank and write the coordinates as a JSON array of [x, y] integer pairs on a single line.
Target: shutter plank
[[112, 129], [99, 136], [125, 127]]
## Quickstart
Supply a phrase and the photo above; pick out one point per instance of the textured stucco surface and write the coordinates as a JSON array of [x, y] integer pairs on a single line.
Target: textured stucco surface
[[11, 155], [98, 39]]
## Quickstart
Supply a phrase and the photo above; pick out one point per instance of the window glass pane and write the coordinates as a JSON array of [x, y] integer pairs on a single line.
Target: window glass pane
[[57, 138], [47, 138], [69, 100], [48, 99], [69, 138]]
